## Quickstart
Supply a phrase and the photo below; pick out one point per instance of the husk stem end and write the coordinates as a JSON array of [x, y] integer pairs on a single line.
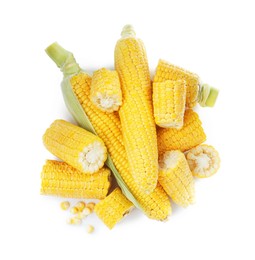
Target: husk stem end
[[63, 59], [207, 95]]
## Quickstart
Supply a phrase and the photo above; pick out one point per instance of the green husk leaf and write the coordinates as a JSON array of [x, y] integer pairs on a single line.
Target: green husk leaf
[[75, 108]]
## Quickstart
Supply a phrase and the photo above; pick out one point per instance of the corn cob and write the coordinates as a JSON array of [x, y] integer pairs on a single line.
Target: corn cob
[[176, 178], [113, 208], [196, 92], [76, 146], [136, 113], [189, 136], [107, 125], [61, 179], [203, 160], [169, 103], [105, 90]]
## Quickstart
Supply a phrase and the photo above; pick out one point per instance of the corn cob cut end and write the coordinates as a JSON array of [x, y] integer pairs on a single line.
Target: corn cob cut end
[[176, 178], [207, 95], [92, 157], [113, 208], [203, 160], [63, 59], [106, 90]]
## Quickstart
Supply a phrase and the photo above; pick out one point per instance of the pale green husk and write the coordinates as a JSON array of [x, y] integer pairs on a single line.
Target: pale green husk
[[81, 118]]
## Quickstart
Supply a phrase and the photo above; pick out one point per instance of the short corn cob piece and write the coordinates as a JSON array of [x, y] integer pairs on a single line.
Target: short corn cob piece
[[176, 178], [107, 125], [196, 92], [113, 208], [61, 179], [76, 146], [189, 136], [105, 90], [203, 160], [169, 99], [136, 112]]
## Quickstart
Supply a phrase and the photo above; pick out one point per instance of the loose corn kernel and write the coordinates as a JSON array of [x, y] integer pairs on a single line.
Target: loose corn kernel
[[80, 215], [86, 211], [74, 210], [80, 206], [74, 221], [90, 229], [91, 206], [65, 205]]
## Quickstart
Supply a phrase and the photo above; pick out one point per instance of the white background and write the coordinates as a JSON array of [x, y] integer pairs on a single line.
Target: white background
[[211, 38]]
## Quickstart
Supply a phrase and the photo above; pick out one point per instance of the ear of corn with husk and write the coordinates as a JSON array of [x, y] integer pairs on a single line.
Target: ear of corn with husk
[[196, 91], [76, 93]]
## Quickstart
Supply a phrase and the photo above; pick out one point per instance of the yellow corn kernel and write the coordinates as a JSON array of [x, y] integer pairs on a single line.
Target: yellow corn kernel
[[166, 71], [90, 229], [169, 103], [203, 160], [136, 112], [189, 136], [91, 206], [76, 146], [107, 126], [74, 221], [80, 206], [105, 90], [74, 210], [65, 205], [176, 178], [86, 211], [113, 208], [61, 179]]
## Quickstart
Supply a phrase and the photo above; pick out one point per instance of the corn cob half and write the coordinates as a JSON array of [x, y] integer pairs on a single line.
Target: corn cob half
[[169, 103], [113, 208], [196, 91], [136, 113], [105, 90], [203, 160], [189, 136], [76, 146], [76, 93], [61, 179], [176, 178]]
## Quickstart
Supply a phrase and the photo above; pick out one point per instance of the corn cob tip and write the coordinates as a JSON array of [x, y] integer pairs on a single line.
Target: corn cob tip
[[63, 59], [207, 95], [128, 31]]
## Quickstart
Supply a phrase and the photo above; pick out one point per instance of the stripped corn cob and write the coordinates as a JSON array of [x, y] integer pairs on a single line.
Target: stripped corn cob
[[169, 103], [61, 179], [113, 208], [203, 160], [136, 113], [196, 92], [176, 178], [107, 125], [105, 90], [189, 136], [81, 149]]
